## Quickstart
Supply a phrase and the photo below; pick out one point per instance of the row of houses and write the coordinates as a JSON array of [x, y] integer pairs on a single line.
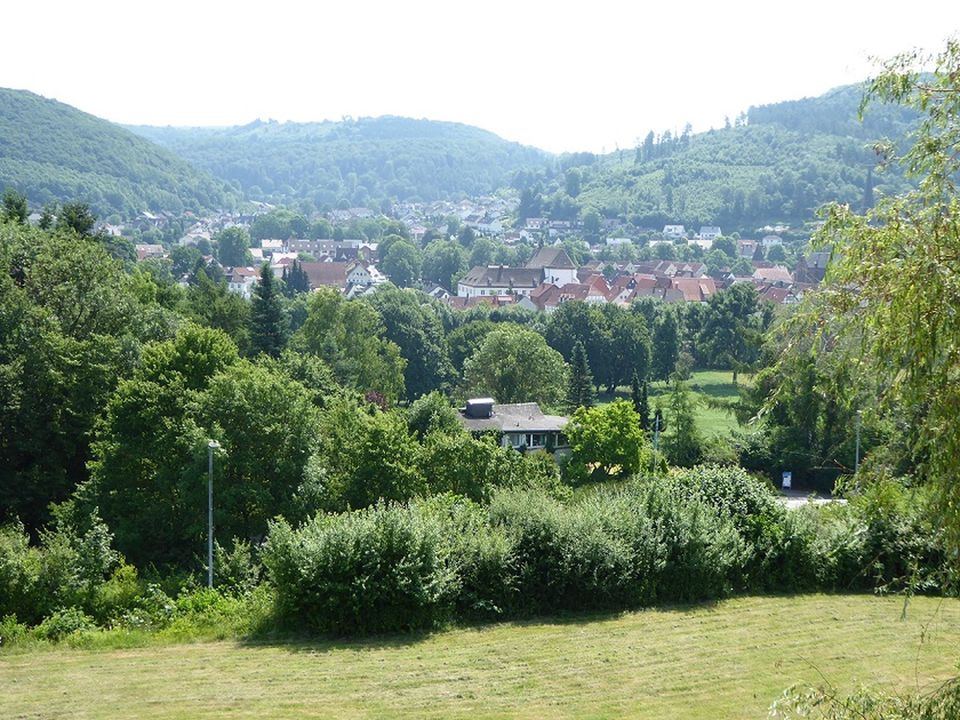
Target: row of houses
[[551, 278], [354, 279]]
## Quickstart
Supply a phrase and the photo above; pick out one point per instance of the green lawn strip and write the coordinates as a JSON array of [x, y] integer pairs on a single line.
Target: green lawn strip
[[728, 660], [705, 385]]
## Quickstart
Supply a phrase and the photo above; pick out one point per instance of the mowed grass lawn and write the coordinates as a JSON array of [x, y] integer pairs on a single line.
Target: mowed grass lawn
[[728, 660], [704, 386]]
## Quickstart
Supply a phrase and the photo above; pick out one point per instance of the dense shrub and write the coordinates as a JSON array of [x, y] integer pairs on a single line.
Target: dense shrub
[[18, 572], [12, 631], [72, 566], [485, 563], [694, 535], [563, 560], [942, 703], [237, 569], [62, 623], [383, 568], [838, 547], [901, 545], [399, 567], [778, 544]]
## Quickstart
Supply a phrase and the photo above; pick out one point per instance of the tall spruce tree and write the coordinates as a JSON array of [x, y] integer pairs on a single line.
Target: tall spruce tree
[[295, 280], [641, 403], [268, 331], [580, 392]]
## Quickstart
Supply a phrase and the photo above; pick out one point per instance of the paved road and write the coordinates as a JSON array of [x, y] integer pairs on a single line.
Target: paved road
[[799, 498]]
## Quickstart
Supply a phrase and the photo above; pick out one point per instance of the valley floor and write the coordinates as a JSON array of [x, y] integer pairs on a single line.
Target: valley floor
[[724, 660]]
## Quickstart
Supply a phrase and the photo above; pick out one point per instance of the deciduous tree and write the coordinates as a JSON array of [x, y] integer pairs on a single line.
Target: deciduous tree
[[516, 365], [233, 246], [606, 441]]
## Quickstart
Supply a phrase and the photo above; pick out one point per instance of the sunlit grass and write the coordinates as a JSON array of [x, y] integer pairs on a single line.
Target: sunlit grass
[[728, 660], [708, 388]]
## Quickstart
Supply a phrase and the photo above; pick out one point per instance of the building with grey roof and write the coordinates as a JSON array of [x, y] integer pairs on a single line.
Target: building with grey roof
[[522, 426]]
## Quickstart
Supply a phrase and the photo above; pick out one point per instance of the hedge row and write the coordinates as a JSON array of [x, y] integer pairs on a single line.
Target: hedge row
[[697, 535]]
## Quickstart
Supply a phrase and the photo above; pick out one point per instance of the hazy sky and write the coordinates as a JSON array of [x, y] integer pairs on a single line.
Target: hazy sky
[[562, 76]]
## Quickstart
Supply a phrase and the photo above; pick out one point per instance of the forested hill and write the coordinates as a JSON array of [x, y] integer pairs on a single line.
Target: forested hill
[[776, 164], [53, 152], [356, 162]]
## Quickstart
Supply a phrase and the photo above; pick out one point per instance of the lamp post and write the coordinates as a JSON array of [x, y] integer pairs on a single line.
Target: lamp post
[[856, 465], [656, 438], [211, 446]]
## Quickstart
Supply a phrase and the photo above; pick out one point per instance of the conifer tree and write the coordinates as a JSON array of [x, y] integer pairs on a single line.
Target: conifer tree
[[640, 398], [268, 324], [580, 392], [295, 280]]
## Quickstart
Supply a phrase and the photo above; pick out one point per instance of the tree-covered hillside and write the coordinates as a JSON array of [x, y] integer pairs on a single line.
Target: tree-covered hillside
[[52, 152], [776, 163], [352, 162]]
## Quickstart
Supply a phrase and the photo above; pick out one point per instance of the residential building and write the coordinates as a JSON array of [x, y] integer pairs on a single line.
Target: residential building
[[242, 280], [494, 280], [522, 426], [556, 265], [709, 232]]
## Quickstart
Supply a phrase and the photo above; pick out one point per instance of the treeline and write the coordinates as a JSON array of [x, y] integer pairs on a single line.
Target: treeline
[[56, 154]]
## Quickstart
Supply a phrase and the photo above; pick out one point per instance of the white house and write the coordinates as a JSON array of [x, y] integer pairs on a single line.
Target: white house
[[709, 232], [555, 264], [548, 265], [242, 280], [674, 232], [496, 280], [270, 247]]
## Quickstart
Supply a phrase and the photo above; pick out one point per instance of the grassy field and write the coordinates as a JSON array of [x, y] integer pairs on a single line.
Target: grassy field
[[705, 385], [729, 660]]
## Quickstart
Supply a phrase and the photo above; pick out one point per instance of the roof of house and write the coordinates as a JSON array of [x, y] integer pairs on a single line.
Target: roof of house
[[775, 295], [501, 276], [817, 260], [551, 257], [644, 280], [695, 289], [598, 286], [775, 274], [242, 272], [144, 251], [574, 291], [516, 417], [326, 274]]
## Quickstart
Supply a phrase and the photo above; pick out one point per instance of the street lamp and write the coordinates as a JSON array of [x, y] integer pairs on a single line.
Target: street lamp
[[211, 446], [856, 465]]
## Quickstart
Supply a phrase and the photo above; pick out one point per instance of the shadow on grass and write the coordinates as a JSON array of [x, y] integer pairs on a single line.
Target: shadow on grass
[[302, 641]]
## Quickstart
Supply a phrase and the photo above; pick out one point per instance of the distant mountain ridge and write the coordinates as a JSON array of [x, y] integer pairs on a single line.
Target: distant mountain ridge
[[53, 152], [777, 164], [352, 162]]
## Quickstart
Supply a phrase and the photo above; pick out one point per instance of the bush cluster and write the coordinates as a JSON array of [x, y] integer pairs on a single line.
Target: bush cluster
[[692, 535], [695, 535]]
